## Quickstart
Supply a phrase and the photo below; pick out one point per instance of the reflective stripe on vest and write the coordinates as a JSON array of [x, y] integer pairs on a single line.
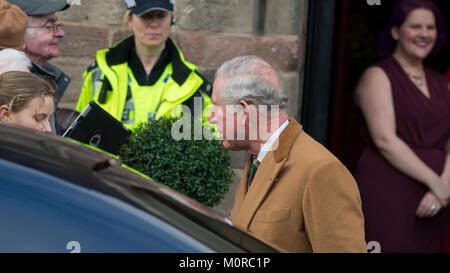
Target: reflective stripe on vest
[[128, 109], [143, 102], [96, 78]]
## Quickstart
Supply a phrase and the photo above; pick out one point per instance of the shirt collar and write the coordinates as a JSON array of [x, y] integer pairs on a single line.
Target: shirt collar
[[267, 146]]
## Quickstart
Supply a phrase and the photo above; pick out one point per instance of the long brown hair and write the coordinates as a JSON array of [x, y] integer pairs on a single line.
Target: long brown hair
[[18, 88]]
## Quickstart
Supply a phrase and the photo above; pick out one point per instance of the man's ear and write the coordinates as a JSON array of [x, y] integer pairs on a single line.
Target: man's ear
[[5, 113], [246, 113]]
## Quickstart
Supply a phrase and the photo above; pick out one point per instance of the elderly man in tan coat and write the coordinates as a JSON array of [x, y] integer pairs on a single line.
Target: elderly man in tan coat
[[294, 194]]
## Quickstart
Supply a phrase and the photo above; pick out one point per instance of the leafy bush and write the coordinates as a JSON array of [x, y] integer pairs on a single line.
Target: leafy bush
[[199, 169]]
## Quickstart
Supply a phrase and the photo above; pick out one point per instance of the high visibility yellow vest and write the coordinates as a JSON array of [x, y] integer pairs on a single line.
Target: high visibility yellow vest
[[112, 85]]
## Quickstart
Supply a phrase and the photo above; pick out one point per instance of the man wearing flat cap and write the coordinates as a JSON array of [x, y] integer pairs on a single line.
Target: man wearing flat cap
[[41, 41]]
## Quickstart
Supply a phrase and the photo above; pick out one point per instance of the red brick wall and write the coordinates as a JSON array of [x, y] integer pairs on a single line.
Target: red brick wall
[[208, 31]]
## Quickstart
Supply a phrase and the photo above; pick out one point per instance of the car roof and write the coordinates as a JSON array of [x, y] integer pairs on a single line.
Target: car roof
[[91, 169]]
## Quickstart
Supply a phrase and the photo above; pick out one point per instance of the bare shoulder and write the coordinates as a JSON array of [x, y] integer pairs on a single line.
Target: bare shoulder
[[374, 75], [373, 82]]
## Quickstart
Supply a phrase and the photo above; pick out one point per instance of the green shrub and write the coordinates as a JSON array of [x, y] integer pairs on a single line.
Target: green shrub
[[199, 169]]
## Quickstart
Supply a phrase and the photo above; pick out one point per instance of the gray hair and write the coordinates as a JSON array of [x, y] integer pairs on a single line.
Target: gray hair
[[13, 60], [253, 79], [31, 33]]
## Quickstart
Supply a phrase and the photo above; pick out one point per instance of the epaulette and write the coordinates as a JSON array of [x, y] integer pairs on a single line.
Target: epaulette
[[206, 86], [91, 66]]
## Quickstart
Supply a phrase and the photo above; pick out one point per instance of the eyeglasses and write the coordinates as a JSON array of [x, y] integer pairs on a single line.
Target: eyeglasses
[[52, 27]]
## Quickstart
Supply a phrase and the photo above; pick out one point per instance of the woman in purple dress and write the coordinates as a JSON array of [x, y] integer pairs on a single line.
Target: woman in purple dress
[[404, 171]]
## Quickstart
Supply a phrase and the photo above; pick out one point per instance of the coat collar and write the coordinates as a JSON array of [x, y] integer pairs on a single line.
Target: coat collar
[[286, 140], [249, 202], [58, 76]]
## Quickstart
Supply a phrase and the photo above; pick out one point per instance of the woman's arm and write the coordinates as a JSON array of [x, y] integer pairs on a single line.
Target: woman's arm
[[374, 96], [446, 172]]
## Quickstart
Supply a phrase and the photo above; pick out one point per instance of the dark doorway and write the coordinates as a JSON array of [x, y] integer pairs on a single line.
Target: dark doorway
[[318, 68], [357, 28]]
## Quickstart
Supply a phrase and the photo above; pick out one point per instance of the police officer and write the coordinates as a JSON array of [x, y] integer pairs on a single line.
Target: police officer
[[145, 76]]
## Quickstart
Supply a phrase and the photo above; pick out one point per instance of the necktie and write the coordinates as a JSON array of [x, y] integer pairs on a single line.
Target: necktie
[[252, 173]]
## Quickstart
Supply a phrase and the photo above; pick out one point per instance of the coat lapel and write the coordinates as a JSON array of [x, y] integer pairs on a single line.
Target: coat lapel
[[241, 191], [265, 177]]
